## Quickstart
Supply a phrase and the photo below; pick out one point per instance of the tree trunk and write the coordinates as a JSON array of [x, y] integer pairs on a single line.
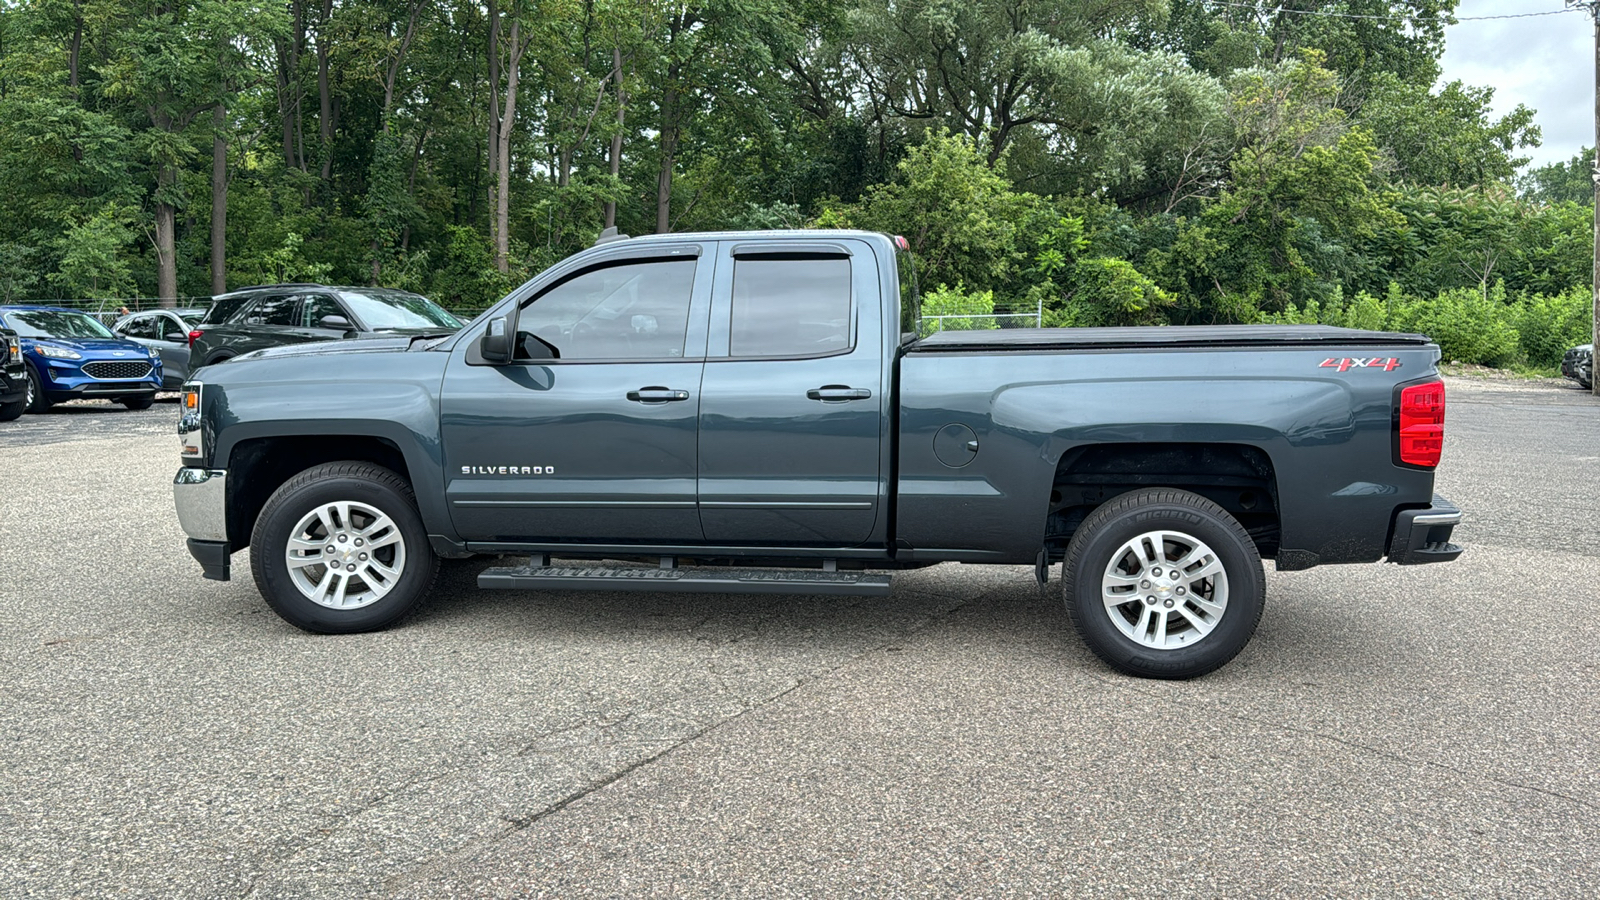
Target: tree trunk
[[324, 92], [616, 138], [167, 245], [669, 152], [508, 119], [219, 201], [493, 163]]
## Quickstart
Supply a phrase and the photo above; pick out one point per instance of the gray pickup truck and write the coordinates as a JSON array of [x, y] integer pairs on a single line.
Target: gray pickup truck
[[755, 413]]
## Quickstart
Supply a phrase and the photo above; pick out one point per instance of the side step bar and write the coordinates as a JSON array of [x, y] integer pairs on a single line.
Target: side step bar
[[710, 580]]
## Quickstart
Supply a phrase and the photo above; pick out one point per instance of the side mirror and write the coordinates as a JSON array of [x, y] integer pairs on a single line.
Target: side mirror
[[176, 337], [339, 322], [495, 345]]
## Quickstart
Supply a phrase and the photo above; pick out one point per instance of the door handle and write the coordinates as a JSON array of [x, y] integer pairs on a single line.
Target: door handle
[[838, 392], [657, 394]]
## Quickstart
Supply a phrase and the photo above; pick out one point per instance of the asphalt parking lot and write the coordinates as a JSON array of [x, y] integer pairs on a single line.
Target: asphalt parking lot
[[1390, 732]]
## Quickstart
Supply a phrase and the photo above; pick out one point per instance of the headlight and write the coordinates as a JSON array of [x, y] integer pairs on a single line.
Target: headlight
[[190, 437], [56, 352]]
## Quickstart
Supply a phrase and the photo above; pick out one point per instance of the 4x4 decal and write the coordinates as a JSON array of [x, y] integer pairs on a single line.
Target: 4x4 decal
[[1346, 364]]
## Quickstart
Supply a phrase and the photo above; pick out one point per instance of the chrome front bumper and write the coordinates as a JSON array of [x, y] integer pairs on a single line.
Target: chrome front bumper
[[201, 496]]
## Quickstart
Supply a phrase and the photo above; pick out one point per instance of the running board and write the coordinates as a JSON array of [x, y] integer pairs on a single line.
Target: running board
[[690, 580]]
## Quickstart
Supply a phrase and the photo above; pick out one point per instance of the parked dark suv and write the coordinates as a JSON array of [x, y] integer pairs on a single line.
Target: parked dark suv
[[13, 376], [275, 315], [1578, 364]]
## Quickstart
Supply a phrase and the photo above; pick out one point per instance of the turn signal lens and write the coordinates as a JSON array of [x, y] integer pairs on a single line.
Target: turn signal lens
[[1422, 424]]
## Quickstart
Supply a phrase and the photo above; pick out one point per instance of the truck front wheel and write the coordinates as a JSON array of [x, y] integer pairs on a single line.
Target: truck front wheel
[[340, 549], [1163, 583]]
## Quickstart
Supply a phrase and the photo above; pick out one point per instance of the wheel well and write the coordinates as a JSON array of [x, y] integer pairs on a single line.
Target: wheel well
[[1236, 477], [260, 466]]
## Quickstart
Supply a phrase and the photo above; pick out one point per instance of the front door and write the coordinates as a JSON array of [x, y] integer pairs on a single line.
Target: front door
[[793, 406], [589, 434]]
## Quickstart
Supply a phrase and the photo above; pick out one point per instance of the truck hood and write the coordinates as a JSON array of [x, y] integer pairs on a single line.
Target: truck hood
[[377, 343]]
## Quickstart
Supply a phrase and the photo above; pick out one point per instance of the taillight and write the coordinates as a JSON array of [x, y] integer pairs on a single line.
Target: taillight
[[192, 335], [1421, 424]]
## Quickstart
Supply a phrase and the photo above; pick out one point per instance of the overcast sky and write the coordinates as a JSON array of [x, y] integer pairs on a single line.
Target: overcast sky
[[1545, 63]]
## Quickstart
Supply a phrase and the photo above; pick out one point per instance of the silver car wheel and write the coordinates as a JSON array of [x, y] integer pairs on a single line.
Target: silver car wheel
[[1165, 590], [345, 555]]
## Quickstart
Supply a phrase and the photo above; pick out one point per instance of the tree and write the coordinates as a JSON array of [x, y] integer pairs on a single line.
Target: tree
[[1445, 137]]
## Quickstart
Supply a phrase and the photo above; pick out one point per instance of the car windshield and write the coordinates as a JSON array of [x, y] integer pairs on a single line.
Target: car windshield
[[56, 323], [380, 310]]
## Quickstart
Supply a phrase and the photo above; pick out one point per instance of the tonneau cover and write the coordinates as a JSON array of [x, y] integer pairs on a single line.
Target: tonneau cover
[[1024, 339]]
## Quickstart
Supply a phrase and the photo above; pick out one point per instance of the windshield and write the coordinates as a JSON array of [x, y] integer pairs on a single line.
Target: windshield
[[56, 323], [381, 310]]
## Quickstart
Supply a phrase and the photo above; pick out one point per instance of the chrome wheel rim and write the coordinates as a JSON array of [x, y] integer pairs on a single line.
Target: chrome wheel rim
[[1165, 590], [345, 555], [29, 401]]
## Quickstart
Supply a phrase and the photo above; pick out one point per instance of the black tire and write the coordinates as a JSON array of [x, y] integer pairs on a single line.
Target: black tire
[[1100, 557], [144, 402], [37, 402], [219, 358], [11, 411], [364, 485]]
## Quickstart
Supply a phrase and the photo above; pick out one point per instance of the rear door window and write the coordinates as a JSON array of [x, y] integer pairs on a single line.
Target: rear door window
[[790, 306], [273, 309]]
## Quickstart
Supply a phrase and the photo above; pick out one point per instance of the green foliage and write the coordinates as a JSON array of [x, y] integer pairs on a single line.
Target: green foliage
[[956, 302], [93, 260], [1109, 292], [1445, 137], [1571, 181], [288, 262], [1549, 324], [1469, 325], [960, 215]]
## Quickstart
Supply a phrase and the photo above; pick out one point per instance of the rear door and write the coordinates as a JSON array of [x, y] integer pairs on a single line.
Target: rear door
[[170, 337], [589, 434], [792, 418]]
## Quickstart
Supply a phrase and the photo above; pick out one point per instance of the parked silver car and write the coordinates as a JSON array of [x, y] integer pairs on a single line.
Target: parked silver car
[[165, 331]]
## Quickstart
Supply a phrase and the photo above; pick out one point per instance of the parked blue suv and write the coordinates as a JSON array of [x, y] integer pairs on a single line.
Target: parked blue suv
[[71, 356]]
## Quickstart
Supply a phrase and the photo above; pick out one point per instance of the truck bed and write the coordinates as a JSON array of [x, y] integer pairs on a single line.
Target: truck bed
[[996, 340]]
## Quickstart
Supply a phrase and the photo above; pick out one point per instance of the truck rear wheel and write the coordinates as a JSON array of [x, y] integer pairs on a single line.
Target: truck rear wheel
[[340, 549], [1163, 583]]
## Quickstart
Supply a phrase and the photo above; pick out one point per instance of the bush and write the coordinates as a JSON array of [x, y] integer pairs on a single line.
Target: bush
[[955, 301], [1548, 325], [1469, 326]]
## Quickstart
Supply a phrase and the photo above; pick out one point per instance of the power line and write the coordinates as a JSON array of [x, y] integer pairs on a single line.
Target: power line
[[1390, 17]]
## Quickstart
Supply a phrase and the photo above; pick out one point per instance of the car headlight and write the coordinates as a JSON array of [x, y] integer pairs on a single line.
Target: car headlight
[[190, 435], [50, 352]]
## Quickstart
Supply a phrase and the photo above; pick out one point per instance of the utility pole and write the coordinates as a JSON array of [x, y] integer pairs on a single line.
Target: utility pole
[[1592, 7]]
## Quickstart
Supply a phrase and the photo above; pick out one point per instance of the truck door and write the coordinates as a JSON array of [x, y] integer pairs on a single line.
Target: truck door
[[792, 403], [588, 434]]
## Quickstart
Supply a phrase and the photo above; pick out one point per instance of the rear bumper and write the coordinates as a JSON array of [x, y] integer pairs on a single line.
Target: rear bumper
[[1423, 535]]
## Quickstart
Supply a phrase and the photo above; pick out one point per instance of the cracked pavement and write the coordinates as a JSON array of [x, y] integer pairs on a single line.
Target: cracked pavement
[[1428, 731]]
